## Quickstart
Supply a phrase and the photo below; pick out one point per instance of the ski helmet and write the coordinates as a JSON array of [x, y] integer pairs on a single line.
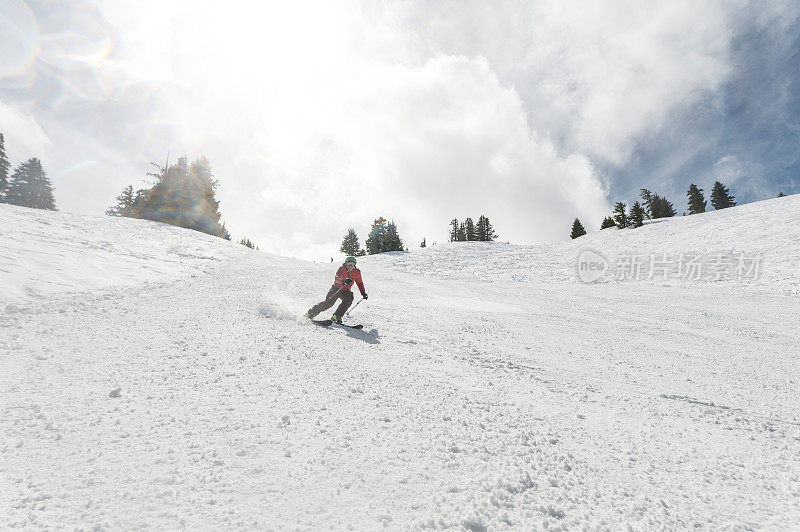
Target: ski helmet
[[350, 259]]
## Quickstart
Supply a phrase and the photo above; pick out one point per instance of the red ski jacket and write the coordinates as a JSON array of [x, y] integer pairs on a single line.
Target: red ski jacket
[[342, 274]]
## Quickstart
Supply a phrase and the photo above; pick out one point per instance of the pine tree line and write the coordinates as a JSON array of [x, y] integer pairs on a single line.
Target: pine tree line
[[248, 243], [721, 198], [469, 231], [183, 195], [27, 186], [654, 206]]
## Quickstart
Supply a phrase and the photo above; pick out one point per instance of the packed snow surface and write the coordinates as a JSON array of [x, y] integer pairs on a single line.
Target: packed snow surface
[[156, 377]]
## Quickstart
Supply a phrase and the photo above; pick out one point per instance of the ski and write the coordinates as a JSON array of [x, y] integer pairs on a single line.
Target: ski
[[358, 327], [328, 323]]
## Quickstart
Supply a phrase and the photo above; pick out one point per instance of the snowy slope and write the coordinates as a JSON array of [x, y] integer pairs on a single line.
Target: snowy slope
[[488, 390], [767, 229], [45, 254]]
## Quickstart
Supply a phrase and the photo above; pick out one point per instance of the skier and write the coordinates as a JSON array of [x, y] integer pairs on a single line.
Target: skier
[[341, 289]]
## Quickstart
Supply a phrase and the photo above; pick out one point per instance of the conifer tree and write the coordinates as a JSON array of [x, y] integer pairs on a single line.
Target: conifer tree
[[130, 204], [620, 217], [423, 244], [384, 237], [5, 166], [223, 232], [490, 232], [647, 202], [721, 197], [203, 199], [577, 229], [661, 207], [462, 233], [608, 221], [697, 203], [377, 237], [184, 195], [30, 187], [637, 215], [350, 245], [484, 230], [142, 197], [162, 203], [454, 230], [469, 230], [393, 241], [125, 204]]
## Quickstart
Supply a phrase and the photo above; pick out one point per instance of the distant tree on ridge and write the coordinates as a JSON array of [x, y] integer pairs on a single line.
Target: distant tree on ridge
[[5, 166], [608, 221], [484, 231], [469, 230], [454, 230], [697, 203], [721, 197], [577, 229], [637, 215], [29, 186], [350, 245], [620, 217]]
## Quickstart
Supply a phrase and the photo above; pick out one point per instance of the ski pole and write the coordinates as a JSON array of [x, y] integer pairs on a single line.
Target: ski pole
[[354, 307], [334, 295]]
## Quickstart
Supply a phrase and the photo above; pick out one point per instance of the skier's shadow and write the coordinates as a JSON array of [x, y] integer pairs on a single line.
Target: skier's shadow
[[370, 337]]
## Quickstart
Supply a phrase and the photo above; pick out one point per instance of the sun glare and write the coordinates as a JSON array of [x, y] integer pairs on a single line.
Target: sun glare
[[250, 64]]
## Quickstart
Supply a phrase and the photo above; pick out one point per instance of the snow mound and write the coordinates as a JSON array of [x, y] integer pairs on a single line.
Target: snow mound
[[46, 253]]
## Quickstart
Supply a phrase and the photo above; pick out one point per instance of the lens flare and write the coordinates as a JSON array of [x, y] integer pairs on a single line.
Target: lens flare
[[19, 39]]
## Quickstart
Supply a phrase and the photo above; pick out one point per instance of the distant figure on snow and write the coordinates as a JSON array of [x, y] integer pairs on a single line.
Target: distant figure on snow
[[341, 289]]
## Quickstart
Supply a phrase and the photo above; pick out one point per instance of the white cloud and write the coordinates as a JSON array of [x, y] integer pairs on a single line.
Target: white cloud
[[447, 140], [744, 179], [24, 137], [594, 76], [420, 145]]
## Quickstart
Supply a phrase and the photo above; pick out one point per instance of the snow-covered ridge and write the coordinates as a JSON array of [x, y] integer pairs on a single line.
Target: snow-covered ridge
[[44, 253], [767, 229]]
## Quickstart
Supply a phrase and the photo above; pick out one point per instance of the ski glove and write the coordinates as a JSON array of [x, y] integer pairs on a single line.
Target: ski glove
[[347, 282], [364, 295]]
